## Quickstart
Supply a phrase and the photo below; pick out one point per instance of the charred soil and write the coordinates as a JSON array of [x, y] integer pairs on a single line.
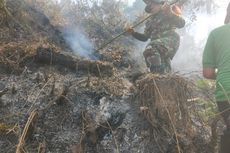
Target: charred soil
[[54, 101]]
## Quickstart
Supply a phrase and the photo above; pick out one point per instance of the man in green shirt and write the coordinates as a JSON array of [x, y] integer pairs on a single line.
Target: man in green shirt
[[216, 66]]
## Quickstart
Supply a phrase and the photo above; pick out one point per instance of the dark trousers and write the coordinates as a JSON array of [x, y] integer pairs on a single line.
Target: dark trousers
[[224, 108]]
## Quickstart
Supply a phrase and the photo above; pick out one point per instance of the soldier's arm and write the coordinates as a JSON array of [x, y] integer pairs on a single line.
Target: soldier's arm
[[140, 36], [209, 59]]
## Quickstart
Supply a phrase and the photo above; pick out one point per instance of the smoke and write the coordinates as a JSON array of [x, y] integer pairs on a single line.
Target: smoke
[[193, 39], [79, 42], [72, 30], [134, 13]]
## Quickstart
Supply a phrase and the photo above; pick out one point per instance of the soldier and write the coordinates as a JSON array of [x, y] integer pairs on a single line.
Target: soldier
[[160, 29]]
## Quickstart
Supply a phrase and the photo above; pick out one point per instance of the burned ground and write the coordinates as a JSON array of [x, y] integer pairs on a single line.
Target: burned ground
[[58, 102]]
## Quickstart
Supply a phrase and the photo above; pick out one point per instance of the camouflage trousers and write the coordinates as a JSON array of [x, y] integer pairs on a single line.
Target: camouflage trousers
[[159, 53]]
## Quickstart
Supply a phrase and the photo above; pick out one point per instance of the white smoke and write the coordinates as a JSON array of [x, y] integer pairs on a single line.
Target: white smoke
[[79, 42], [193, 39], [75, 35]]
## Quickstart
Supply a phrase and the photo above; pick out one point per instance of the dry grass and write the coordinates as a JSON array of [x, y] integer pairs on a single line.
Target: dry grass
[[30, 124], [13, 55], [161, 92], [165, 98], [4, 127]]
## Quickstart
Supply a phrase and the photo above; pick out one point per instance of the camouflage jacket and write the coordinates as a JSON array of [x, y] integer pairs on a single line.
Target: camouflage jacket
[[160, 25]]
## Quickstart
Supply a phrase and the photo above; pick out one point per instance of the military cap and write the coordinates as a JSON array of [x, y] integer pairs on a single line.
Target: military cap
[[153, 1]]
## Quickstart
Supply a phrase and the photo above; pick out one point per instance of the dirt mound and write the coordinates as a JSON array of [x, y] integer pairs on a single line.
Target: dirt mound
[[167, 104]]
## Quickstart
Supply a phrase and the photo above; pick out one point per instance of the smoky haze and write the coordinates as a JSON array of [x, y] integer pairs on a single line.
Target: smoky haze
[[193, 36], [193, 40], [78, 41], [73, 31]]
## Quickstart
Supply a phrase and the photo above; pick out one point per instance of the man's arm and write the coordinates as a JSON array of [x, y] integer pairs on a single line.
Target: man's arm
[[137, 35], [209, 59], [209, 73], [140, 36]]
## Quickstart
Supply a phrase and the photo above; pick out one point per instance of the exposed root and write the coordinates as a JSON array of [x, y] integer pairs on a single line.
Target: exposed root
[[160, 92], [163, 101], [51, 57]]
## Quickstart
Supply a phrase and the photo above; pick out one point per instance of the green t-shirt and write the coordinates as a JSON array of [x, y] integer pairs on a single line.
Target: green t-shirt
[[217, 55]]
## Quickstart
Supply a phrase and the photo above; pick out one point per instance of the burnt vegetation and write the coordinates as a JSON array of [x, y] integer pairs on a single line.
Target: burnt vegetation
[[54, 99]]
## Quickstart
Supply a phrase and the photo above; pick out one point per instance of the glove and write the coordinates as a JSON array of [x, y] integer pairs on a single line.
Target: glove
[[130, 30]]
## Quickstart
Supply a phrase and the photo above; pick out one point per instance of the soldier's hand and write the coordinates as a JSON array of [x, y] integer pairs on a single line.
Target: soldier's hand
[[130, 30]]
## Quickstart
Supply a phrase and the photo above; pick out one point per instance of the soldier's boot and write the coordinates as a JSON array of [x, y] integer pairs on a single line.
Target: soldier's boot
[[157, 69], [225, 142], [155, 64]]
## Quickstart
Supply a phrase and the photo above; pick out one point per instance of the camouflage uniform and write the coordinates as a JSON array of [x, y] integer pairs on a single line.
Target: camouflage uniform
[[160, 29]]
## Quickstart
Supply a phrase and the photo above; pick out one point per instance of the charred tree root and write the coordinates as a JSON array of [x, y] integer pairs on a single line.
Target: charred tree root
[[48, 56], [29, 128]]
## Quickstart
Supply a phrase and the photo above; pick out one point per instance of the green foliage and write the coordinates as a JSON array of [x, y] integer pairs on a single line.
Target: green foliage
[[4, 128], [203, 83], [206, 103], [207, 109]]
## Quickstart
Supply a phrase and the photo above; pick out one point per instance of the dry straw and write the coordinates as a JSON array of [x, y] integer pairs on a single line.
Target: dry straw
[[165, 97]]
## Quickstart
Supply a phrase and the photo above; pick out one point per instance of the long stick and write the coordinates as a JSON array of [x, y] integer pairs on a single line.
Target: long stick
[[124, 32]]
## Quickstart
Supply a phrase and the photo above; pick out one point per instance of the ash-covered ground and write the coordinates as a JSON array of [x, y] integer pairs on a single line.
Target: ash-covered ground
[[65, 104]]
